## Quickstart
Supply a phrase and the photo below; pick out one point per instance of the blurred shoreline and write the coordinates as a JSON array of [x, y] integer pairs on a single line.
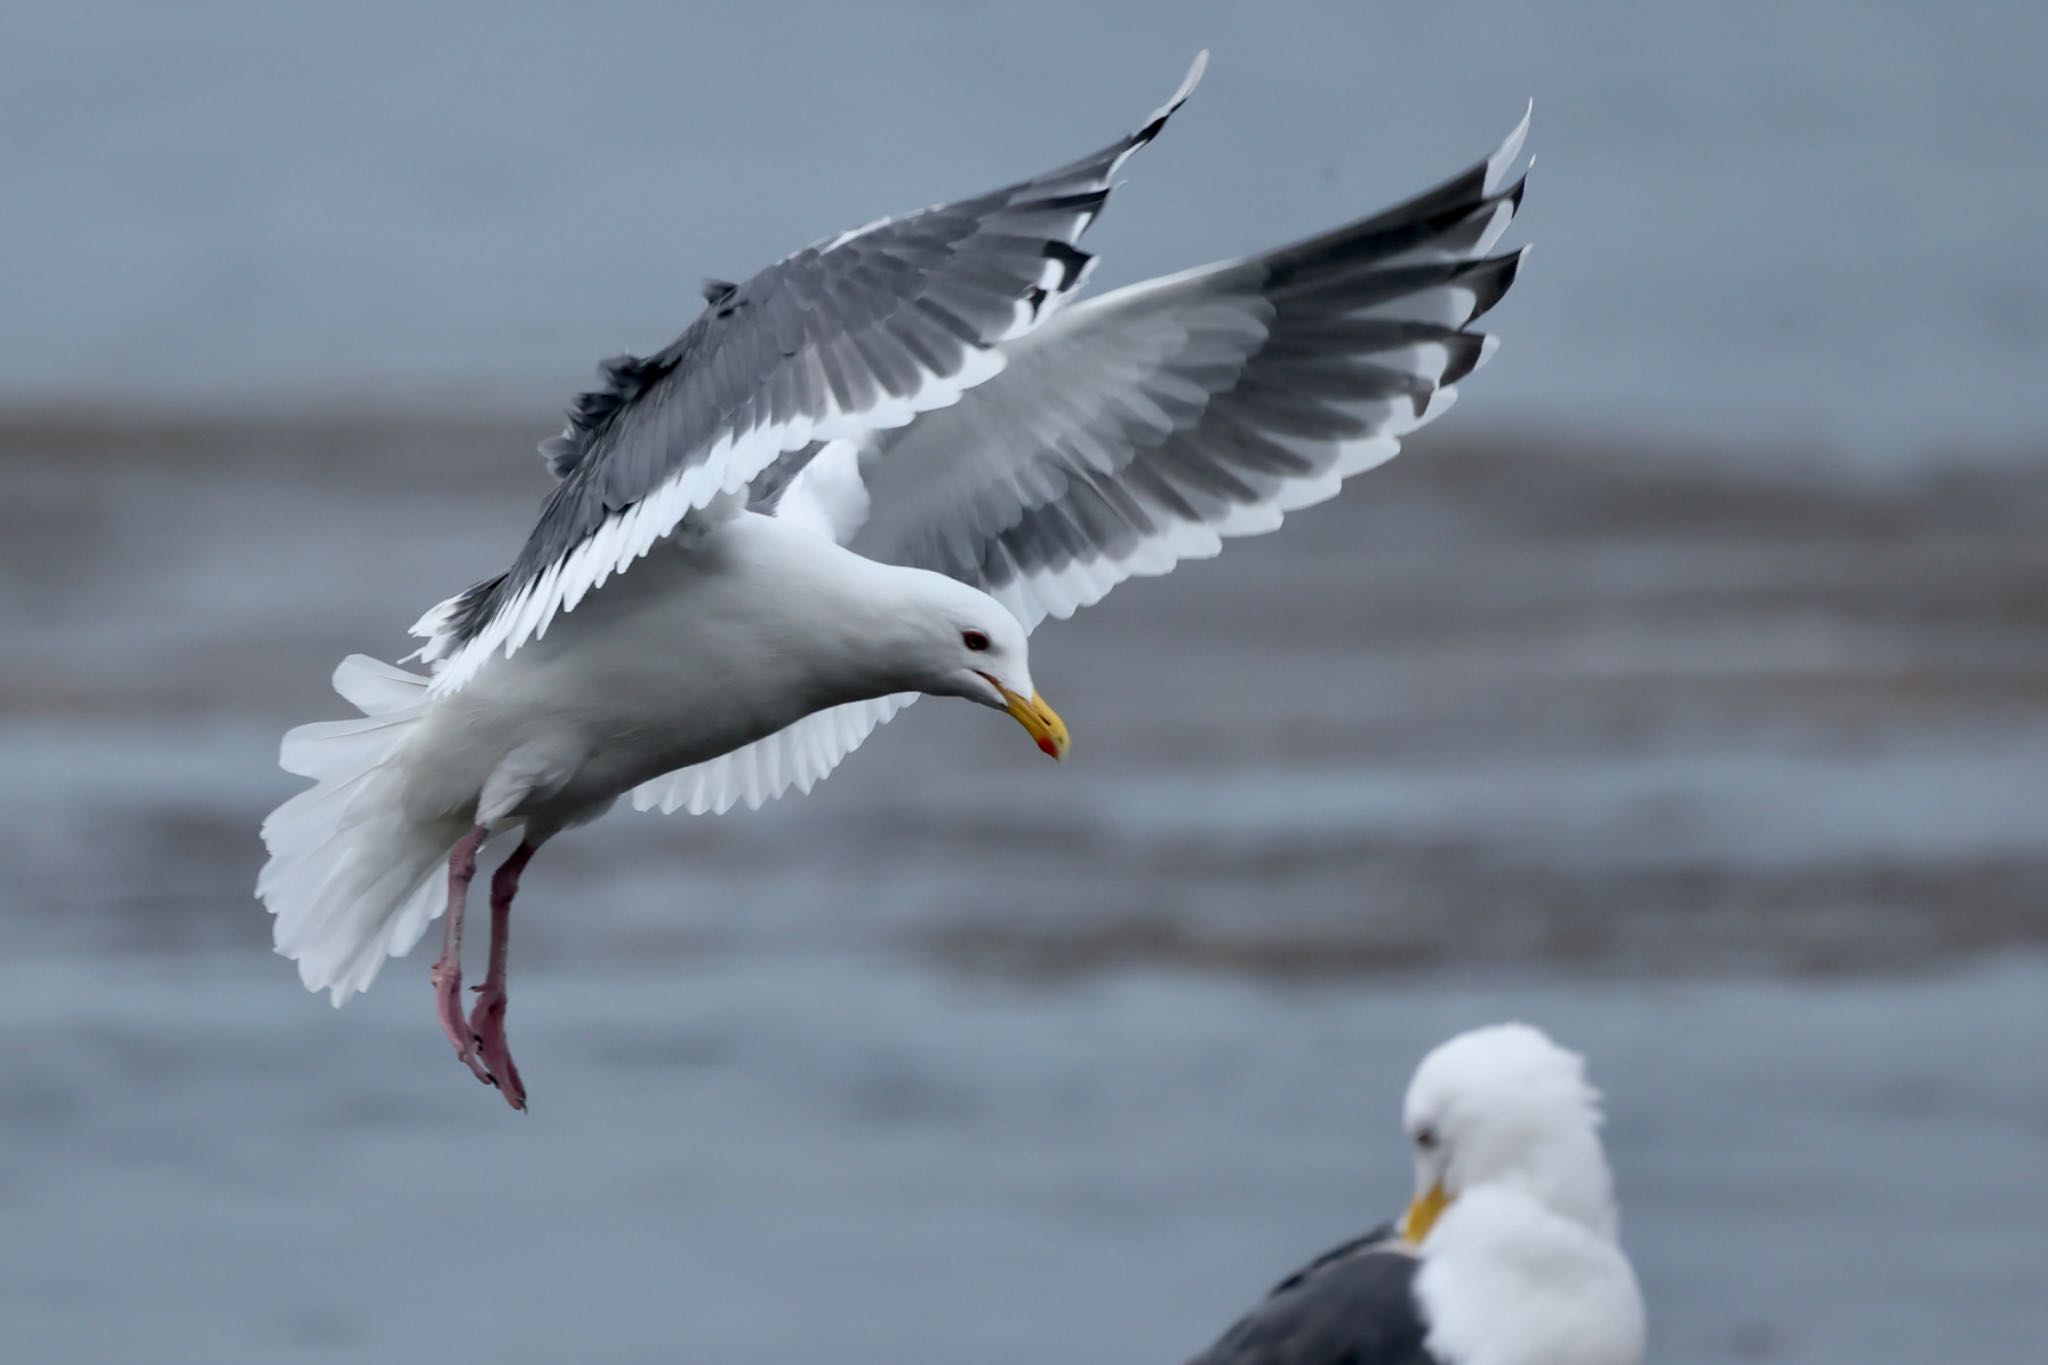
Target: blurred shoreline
[[1517, 702]]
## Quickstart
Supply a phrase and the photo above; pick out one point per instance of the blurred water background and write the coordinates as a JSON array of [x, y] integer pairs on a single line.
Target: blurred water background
[[1685, 691]]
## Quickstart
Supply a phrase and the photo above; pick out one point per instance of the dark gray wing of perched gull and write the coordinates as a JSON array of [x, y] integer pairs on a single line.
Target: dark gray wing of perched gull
[[1354, 1305], [856, 334], [1127, 433]]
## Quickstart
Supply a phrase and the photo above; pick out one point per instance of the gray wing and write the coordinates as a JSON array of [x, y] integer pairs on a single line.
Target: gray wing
[[1127, 434], [1142, 428], [1352, 1306], [853, 335]]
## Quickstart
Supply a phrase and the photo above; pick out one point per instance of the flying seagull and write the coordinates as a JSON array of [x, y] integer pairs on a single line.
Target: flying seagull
[[863, 475], [1509, 1253]]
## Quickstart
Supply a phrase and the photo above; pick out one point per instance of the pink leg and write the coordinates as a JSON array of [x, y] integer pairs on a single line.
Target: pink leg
[[487, 1020], [447, 972]]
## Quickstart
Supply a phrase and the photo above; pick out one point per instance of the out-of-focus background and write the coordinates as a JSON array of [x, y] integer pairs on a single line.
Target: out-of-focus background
[[1685, 691]]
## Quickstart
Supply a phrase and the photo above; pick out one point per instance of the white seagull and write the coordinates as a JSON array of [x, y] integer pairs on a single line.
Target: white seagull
[[863, 475], [1509, 1253]]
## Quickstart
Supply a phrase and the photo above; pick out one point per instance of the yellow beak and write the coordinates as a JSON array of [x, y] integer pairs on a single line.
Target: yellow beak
[[1423, 1213], [1040, 721]]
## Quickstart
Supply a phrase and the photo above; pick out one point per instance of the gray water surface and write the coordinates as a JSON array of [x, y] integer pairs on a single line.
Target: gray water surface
[[1812, 222], [1733, 781], [832, 1159]]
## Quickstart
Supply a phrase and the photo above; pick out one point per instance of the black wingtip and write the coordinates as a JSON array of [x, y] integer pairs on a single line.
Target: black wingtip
[[1512, 195], [1072, 261], [1490, 279], [1467, 350], [1166, 111], [1082, 201]]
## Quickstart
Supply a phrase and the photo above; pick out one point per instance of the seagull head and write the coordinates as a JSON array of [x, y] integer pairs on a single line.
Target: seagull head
[[1506, 1108], [967, 644]]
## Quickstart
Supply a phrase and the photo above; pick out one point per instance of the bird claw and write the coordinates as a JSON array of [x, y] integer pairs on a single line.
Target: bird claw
[[487, 1026]]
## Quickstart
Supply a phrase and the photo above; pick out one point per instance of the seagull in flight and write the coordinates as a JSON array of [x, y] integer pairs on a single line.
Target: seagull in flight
[[863, 476]]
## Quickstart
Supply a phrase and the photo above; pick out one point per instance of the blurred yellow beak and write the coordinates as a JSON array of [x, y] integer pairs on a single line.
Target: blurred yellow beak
[[1040, 721], [1423, 1213]]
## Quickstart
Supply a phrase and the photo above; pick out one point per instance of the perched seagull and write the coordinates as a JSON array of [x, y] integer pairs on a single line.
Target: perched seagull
[[1509, 1254], [863, 475]]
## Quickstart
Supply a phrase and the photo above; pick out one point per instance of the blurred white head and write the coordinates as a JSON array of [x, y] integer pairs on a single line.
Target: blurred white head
[[1506, 1108], [1513, 1216]]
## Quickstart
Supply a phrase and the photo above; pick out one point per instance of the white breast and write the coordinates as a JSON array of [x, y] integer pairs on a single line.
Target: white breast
[[1507, 1282], [703, 647]]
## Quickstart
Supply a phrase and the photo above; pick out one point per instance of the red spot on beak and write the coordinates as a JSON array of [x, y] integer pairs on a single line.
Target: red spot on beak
[[1048, 748]]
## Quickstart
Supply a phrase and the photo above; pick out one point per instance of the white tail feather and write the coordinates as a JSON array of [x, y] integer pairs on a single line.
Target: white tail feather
[[351, 880]]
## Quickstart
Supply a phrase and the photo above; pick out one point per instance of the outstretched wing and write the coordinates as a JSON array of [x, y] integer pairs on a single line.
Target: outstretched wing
[[1136, 430], [798, 755], [853, 335]]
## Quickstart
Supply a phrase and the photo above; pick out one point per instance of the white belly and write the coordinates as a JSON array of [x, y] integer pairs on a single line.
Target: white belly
[[695, 651]]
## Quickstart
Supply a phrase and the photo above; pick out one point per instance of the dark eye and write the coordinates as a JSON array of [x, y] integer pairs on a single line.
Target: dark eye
[[974, 640], [1425, 1138]]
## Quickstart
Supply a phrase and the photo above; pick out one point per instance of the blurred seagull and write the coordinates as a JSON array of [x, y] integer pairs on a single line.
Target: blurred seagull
[[1509, 1254], [863, 475]]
